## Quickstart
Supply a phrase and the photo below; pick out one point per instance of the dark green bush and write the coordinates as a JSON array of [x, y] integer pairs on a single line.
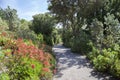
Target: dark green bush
[[80, 43], [66, 38], [48, 40]]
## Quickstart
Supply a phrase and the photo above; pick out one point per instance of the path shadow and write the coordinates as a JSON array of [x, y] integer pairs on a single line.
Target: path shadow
[[102, 76], [68, 59]]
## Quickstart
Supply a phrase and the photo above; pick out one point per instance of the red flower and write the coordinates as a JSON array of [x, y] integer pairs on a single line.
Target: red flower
[[46, 63], [46, 69], [33, 66]]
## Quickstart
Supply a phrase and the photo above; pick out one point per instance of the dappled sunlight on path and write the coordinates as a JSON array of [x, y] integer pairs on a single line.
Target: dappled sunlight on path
[[72, 66]]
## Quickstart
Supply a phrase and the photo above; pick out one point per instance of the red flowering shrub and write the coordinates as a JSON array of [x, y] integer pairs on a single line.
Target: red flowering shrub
[[23, 49]]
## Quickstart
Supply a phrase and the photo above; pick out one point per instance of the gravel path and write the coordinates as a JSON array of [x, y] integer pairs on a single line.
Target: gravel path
[[72, 66]]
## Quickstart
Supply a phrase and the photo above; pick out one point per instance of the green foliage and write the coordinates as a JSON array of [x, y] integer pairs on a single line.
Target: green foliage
[[26, 34], [80, 44], [2, 14], [112, 30], [43, 24], [3, 25], [56, 36], [30, 35], [100, 63], [10, 15], [24, 24], [66, 38], [2, 66], [4, 76], [40, 38], [96, 31], [115, 69], [101, 19], [116, 47], [94, 52], [106, 61], [24, 68], [48, 40], [23, 60]]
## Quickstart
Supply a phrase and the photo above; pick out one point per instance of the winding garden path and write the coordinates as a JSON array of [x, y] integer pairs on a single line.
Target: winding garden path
[[72, 66]]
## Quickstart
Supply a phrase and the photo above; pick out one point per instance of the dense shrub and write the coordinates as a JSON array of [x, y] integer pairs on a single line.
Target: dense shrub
[[48, 40], [104, 60], [26, 34], [24, 60], [80, 43], [107, 61], [30, 35]]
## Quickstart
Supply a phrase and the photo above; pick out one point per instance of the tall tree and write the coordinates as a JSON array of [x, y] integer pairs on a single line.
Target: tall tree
[[73, 12], [44, 24], [12, 18]]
